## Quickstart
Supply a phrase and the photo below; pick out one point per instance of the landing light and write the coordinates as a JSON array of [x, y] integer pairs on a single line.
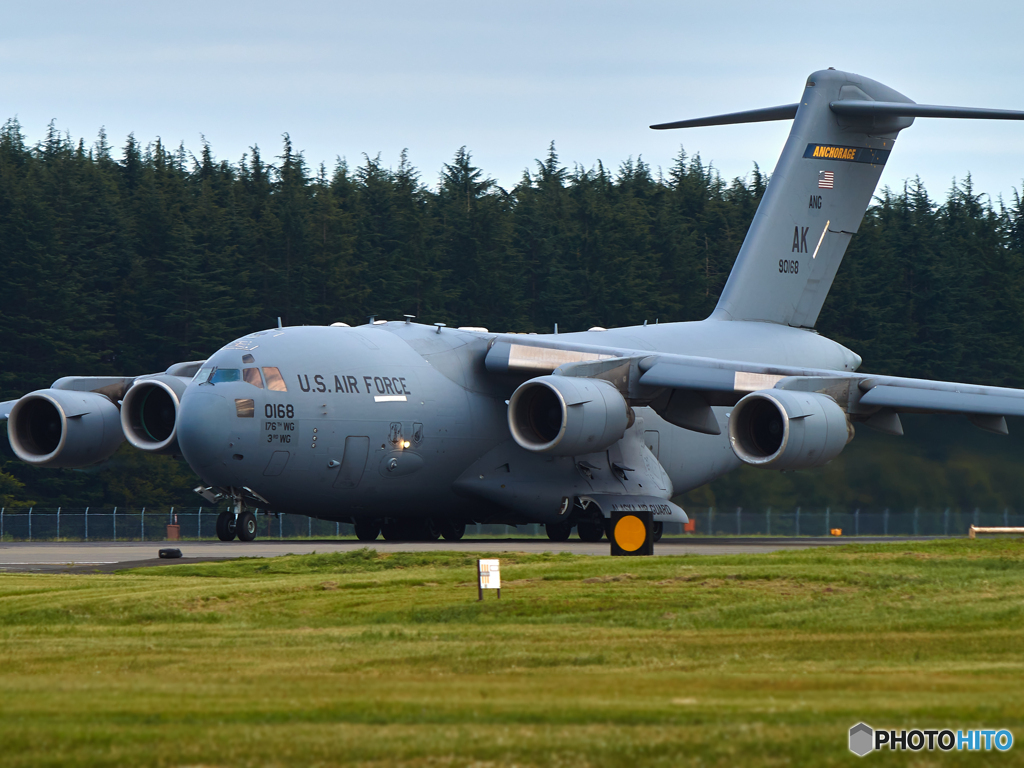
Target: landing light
[[406, 443]]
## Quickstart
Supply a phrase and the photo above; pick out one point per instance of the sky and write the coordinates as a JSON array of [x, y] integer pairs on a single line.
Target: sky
[[506, 79]]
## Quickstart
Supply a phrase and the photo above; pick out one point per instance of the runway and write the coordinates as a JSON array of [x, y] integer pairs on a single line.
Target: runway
[[109, 556]]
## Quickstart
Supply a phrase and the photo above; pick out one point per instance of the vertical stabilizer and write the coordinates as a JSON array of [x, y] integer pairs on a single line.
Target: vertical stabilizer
[[815, 200]]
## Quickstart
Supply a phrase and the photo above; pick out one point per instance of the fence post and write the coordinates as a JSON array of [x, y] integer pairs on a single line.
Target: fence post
[[945, 522], [885, 522], [86, 523], [113, 523], [142, 526], [337, 530], [199, 524], [798, 521], [58, 523], [828, 526], [738, 527], [768, 521], [856, 522], [711, 521], [310, 519], [1, 523], [30, 523], [916, 510], [280, 525]]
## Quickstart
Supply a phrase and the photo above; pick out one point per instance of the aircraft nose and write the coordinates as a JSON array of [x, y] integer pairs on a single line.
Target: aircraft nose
[[202, 433]]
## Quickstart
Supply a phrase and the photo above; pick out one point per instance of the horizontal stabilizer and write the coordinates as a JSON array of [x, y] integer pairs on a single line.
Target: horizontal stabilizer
[[785, 112], [857, 108]]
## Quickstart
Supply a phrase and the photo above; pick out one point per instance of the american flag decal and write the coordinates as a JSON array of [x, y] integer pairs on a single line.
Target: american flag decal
[[826, 179]]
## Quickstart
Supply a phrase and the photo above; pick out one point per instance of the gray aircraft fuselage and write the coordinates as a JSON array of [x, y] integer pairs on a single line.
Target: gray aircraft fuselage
[[400, 420]]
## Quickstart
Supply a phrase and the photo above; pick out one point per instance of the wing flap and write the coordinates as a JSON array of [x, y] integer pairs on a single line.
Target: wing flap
[[903, 398], [677, 376]]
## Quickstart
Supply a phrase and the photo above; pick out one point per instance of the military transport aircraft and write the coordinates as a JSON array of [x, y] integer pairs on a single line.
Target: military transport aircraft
[[414, 430]]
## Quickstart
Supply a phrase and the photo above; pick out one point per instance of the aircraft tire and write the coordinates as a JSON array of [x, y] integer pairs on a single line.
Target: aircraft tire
[[226, 526], [429, 530], [657, 530], [245, 528], [558, 531], [590, 530], [367, 530], [452, 530], [419, 530]]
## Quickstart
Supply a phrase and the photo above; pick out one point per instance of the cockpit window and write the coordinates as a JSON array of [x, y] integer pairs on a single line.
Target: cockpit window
[[252, 376], [204, 375], [275, 381], [224, 374]]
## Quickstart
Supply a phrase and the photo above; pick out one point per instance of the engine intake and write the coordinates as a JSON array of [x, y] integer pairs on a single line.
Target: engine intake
[[782, 429], [149, 414], [64, 428], [567, 416]]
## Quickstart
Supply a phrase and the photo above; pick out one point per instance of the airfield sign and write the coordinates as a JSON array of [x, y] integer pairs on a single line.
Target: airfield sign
[[488, 576]]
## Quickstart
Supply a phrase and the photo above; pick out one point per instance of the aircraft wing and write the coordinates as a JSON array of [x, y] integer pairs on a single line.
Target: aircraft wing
[[872, 392], [701, 382], [113, 387], [926, 396]]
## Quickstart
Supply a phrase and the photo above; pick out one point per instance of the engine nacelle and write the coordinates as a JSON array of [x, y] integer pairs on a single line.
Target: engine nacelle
[[783, 429], [64, 428], [567, 416], [149, 413]]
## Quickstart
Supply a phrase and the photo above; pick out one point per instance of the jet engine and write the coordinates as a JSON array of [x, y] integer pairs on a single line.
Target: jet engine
[[567, 416], [149, 413], [64, 428], [783, 429]]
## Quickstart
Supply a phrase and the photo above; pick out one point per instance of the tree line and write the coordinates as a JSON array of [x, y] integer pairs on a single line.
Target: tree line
[[125, 260]]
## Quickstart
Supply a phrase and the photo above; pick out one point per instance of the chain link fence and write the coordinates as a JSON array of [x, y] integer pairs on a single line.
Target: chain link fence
[[195, 523], [919, 521]]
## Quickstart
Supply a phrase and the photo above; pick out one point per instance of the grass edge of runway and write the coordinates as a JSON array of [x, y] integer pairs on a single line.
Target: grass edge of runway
[[387, 657]]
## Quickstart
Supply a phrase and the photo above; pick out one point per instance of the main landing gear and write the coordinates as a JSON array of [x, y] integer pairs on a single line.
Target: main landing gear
[[657, 529], [559, 531], [367, 530], [411, 530], [591, 530]]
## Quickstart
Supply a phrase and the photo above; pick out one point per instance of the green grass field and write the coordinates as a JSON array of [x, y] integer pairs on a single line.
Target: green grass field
[[390, 660]]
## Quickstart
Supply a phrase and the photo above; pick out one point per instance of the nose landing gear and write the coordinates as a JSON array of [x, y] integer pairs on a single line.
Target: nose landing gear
[[226, 526], [237, 522], [245, 526]]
